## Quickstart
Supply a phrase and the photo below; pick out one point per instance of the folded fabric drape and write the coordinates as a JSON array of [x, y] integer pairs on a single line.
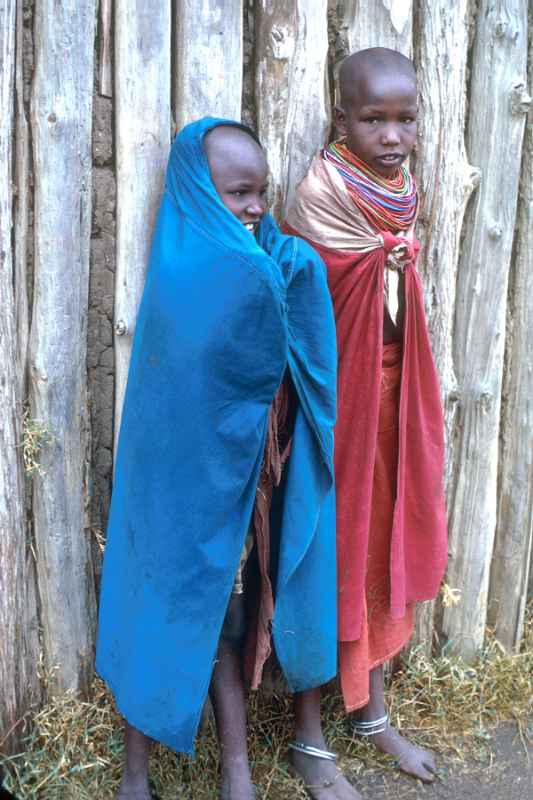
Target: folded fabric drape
[[223, 315], [356, 255]]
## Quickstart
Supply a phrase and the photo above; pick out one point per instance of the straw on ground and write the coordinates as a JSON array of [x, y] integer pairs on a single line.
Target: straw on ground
[[74, 748]]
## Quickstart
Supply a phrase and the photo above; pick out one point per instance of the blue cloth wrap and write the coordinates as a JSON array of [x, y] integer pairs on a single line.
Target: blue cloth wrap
[[221, 318]]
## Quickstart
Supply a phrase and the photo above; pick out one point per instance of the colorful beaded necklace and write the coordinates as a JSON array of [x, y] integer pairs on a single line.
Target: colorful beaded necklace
[[389, 204]]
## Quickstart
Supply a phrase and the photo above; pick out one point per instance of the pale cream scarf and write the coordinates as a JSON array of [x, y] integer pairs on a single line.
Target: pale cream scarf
[[322, 211]]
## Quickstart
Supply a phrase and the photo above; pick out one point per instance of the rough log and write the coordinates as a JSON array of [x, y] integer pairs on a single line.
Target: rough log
[[12, 514], [291, 88], [445, 180], [376, 23], [105, 64], [21, 213], [208, 60], [495, 133], [514, 532], [142, 123], [21, 209], [61, 132], [530, 585]]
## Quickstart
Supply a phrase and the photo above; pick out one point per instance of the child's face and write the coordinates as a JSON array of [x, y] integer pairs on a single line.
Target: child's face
[[239, 172], [380, 121]]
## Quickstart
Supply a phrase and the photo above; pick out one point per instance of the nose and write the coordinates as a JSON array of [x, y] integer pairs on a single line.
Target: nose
[[390, 135], [256, 207]]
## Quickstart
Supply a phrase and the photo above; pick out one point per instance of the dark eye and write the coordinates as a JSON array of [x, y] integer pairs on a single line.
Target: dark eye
[[372, 120], [408, 120], [237, 193]]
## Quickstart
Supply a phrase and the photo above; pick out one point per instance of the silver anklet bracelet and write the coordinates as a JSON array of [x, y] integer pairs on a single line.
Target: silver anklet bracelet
[[372, 727], [309, 750]]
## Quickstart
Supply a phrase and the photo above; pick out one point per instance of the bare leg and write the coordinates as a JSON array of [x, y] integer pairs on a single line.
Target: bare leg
[[411, 759], [134, 783], [229, 704], [316, 771]]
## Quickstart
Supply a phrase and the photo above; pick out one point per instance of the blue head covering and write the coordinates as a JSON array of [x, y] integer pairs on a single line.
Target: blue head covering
[[223, 315]]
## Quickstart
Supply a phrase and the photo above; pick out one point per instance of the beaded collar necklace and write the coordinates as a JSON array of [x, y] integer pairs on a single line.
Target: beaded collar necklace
[[389, 204]]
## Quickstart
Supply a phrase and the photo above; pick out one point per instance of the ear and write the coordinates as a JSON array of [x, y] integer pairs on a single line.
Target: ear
[[339, 117]]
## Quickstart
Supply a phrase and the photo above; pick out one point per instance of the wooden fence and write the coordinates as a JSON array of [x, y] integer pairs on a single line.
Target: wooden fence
[[91, 94]]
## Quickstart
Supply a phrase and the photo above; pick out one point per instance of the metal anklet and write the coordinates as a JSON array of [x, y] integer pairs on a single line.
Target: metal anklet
[[308, 750], [372, 727]]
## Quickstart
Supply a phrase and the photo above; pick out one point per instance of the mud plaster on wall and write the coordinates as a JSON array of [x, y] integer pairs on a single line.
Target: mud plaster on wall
[[100, 355]]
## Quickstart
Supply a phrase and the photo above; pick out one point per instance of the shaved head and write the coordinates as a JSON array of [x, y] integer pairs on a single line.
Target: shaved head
[[239, 172], [232, 139], [359, 70], [377, 110]]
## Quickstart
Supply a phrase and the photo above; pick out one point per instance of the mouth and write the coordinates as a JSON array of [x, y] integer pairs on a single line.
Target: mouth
[[391, 159], [251, 226]]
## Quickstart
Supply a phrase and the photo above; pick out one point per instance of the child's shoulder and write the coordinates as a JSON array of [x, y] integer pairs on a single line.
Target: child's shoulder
[[294, 255]]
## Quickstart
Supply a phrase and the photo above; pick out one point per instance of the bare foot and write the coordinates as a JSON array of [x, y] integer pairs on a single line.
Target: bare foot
[[133, 788], [409, 757], [323, 780], [236, 782]]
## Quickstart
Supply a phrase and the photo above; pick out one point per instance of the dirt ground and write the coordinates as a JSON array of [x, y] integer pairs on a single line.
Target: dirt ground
[[505, 773]]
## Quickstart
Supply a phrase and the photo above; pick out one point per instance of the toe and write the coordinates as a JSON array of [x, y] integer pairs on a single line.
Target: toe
[[427, 776], [420, 771], [345, 791], [417, 768], [429, 762]]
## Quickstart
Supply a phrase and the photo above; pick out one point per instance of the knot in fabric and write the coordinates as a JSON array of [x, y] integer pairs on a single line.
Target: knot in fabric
[[399, 250]]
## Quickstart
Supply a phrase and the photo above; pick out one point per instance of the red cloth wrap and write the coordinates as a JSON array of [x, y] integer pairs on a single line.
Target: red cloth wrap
[[382, 637], [418, 551]]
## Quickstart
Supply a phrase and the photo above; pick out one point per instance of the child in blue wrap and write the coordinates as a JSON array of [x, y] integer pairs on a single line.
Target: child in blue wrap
[[230, 307]]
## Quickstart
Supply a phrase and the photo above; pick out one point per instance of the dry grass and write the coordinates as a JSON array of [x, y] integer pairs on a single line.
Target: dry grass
[[35, 436], [74, 750]]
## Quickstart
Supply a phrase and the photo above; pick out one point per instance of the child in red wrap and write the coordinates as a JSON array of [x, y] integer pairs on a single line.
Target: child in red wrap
[[357, 206]]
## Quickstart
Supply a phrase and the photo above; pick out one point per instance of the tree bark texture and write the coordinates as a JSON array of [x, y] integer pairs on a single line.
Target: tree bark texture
[[22, 273], [105, 61], [142, 121], [208, 60], [514, 531], [377, 23], [21, 209], [441, 52], [61, 132], [291, 88], [12, 512], [494, 140]]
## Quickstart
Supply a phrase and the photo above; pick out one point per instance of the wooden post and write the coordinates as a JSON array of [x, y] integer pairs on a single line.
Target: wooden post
[[445, 181], [105, 66], [12, 512], [291, 88], [495, 132], [142, 92], [385, 23], [21, 208], [514, 532], [208, 60], [21, 213], [61, 131]]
